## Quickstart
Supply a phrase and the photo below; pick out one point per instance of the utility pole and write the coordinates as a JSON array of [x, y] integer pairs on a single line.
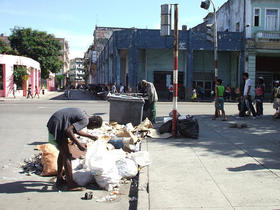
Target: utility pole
[[205, 5], [165, 31]]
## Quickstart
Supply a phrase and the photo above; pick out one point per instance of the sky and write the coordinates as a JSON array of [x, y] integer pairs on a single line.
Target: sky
[[75, 20]]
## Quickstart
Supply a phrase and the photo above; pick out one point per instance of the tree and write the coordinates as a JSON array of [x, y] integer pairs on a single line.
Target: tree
[[6, 49], [19, 73], [38, 45], [59, 78]]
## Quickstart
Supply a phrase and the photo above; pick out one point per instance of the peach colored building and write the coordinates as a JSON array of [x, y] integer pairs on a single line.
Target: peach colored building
[[7, 65]]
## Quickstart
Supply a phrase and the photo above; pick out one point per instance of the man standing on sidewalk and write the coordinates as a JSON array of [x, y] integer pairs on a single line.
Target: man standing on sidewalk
[[247, 97], [14, 90], [150, 91]]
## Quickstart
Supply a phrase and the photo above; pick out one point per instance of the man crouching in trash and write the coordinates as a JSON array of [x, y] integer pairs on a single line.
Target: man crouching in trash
[[62, 125]]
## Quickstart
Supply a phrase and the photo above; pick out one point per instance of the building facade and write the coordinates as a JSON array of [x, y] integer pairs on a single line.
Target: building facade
[[65, 59], [101, 36], [259, 21], [132, 55], [77, 73], [8, 63]]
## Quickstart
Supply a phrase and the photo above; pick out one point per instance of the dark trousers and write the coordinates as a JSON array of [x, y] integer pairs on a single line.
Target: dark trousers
[[29, 94], [247, 104], [259, 105], [170, 96]]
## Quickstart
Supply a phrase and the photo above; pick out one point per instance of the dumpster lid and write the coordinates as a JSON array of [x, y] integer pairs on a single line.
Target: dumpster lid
[[113, 97]]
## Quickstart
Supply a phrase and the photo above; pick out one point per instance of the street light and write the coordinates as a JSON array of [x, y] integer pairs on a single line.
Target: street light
[[205, 4]]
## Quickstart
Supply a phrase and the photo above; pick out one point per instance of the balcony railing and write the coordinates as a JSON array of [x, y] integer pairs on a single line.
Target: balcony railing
[[268, 35]]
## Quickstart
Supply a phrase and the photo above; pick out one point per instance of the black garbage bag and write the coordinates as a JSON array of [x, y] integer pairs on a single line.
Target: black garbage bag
[[188, 127], [166, 127]]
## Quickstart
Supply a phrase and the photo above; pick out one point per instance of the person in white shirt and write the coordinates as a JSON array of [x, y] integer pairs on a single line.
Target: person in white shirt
[[14, 90], [247, 96], [114, 88], [121, 89]]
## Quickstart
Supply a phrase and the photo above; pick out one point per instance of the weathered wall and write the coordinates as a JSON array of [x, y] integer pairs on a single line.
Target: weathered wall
[[263, 5], [231, 13], [162, 60]]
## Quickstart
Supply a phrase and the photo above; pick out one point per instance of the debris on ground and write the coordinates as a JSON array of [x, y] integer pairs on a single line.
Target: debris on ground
[[238, 125], [187, 126], [107, 198], [88, 196], [48, 159], [112, 159], [32, 165]]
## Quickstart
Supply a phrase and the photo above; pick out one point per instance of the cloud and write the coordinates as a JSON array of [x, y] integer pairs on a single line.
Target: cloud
[[76, 54]]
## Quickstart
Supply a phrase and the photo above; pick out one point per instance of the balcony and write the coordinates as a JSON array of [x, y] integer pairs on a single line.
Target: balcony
[[268, 35]]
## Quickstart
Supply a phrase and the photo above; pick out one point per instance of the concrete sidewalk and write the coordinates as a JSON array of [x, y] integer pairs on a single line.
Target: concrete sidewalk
[[226, 168], [47, 96]]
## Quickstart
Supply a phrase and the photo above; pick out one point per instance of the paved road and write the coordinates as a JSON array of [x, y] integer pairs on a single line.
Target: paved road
[[23, 125], [224, 169]]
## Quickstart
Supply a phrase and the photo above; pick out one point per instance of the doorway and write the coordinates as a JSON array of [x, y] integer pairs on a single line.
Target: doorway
[[163, 79]]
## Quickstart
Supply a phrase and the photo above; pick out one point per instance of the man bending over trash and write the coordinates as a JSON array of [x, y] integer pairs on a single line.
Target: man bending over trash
[[150, 91], [62, 125]]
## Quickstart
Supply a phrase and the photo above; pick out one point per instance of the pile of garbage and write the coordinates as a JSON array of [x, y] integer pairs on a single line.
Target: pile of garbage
[[187, 126], [114, 156], [32, 165]]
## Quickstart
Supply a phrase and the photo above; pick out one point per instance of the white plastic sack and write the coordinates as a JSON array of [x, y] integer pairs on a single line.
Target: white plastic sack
[[102, 164], [142, 158], [127, 168], [82, 177], [77, 164]]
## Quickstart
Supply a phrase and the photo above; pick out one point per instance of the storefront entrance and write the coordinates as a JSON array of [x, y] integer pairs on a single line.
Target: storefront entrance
[[269, 69], [163, 79]]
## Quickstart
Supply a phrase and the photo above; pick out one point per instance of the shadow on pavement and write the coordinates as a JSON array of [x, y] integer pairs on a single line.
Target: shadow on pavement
[[99, 113], [76, 95], [27, 186], [37, 143], [260, 141]]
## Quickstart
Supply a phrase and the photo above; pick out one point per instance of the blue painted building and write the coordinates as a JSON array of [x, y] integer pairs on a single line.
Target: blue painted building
[[132, 55]]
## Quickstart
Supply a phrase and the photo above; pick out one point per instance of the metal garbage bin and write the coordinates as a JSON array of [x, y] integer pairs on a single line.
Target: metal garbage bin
[[126, 109]]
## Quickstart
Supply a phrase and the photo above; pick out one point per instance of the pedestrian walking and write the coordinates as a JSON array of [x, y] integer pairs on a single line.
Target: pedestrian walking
[[14, 90], [37, 92], [219, 100], [29, 92], [260, 96], [276, 98], [43, 90], [150, 104], [114, 88], [121, 88], [170, 92], [247, 103], [64, 124], [194, 94], [228, 93]]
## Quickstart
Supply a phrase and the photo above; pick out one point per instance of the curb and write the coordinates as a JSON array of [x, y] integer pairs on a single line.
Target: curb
[[143, 185]]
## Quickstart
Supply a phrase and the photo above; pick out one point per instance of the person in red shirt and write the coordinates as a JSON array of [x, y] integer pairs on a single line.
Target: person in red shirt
[[260, 96], [170, 92]]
